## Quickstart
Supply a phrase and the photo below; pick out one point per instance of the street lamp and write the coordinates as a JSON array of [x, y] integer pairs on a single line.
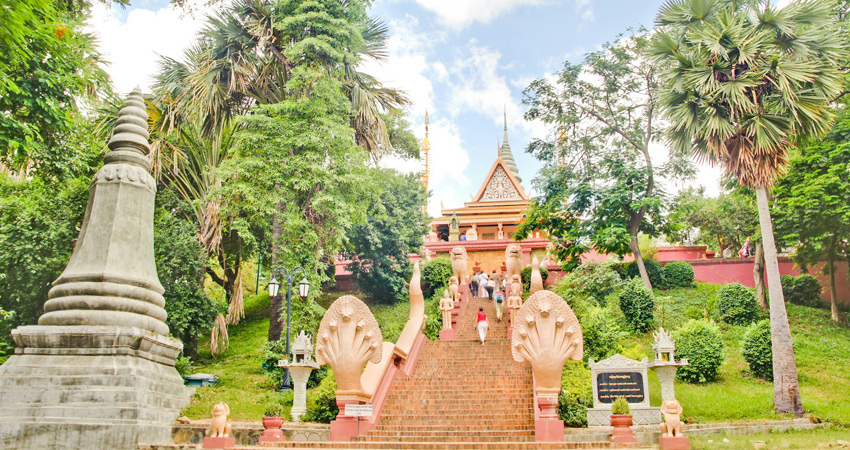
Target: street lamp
[[288, 276]]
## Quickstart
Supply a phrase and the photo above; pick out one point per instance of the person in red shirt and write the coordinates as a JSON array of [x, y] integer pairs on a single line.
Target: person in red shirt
[[482, 325]]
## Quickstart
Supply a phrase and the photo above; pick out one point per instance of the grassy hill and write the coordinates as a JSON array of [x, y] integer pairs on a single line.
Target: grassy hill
[[822, 348]]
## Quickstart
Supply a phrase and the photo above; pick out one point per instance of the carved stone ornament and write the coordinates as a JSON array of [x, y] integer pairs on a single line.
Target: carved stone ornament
[[500, 187], [219, 425], [618, 361], [347, 339], [513, 260], [546, 334], [454, 288], [446, 306], [302, 349], [459, 262], [536, 277]]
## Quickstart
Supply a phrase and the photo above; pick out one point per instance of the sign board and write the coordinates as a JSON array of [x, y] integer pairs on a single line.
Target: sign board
[[358, 410], [610, 385], [619, 376]]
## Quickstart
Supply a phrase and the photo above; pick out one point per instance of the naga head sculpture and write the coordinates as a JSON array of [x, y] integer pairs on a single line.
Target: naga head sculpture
[[347, 339]]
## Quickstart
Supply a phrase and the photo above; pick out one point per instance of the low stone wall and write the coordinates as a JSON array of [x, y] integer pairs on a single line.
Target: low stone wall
[[248, 433], [646, 434]]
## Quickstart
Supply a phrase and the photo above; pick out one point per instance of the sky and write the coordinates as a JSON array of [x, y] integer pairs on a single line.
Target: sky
[[466, 62]]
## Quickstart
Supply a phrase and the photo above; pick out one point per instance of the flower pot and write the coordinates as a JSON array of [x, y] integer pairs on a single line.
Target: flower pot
[[272, 432], [622, 432]]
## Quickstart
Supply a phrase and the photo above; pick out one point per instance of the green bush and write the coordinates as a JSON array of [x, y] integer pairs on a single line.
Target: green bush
[[806, 291], [737, 304], [620, 406], [435, 275], [321, 401], [787, 282], [621, 268], [757, 351], [601, 332], [594, 280], [278, 404], [653, 269], [576, 394], [637, 305], [525, 273], [273, 352], [679, 274], [700, 343]]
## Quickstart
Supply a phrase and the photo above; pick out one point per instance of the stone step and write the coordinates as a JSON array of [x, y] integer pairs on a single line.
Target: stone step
[[504, 445], [447, 427]]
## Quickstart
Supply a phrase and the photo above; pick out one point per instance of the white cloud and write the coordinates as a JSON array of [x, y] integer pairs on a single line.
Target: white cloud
[[585, 9], [458, 14], [131, 46]]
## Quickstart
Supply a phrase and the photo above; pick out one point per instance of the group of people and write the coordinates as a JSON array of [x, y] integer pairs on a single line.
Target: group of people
[[492, 287]]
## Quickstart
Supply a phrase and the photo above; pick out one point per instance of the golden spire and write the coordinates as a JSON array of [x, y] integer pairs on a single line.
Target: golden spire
[[425, 147]]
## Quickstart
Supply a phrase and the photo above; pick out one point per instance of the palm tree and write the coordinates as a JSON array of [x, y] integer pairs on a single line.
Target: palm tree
[[743, 83]]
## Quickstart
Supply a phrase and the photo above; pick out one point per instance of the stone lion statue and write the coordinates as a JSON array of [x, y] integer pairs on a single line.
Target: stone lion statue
[[672, 425], [459, 259], [513, 260], [219, 427]]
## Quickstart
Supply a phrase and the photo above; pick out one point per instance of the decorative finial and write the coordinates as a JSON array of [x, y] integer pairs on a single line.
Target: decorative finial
[[131, 126]]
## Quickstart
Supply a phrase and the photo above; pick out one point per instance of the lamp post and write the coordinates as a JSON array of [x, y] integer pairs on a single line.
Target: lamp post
[[288, 276]]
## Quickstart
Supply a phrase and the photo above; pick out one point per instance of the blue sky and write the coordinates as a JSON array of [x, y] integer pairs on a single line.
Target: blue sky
[[466, 61]]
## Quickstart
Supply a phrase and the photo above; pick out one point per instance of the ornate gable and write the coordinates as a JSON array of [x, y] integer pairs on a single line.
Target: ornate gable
[[500, 185]]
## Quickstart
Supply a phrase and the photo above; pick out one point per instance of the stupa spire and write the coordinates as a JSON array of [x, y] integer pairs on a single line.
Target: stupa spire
[[505, 151]]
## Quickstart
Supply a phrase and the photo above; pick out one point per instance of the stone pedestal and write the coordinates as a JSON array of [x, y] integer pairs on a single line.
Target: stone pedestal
[[89, 387], [344, 428], [666, 376], [674, 443], [299, 374], [219, 442], [548, 430], [448, 334]]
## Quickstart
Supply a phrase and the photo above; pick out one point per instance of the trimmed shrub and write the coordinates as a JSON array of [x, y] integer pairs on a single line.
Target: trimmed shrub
[[525, 274], [637, 305], [806, 291], [679, 274], [321, 402], [787, 282], [737, 304], [435, 275], [757, 350], [620, 268], [620, 406], [576, 394], [601, 333], [597, 281], [700, 343], [653, 269]]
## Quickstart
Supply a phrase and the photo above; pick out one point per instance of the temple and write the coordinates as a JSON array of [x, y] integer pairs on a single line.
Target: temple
[[487, 224]]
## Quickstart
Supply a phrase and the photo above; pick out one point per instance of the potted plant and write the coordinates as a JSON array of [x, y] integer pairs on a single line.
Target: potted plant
[[272, 421], [621, 420]]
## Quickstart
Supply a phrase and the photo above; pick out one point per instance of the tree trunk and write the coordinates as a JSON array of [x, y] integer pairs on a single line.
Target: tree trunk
[[786, 386], [832, 291], [275, 325], [758, 276], [633, 244]]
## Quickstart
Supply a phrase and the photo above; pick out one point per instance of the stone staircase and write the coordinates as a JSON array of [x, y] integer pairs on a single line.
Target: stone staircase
[[462, 391]]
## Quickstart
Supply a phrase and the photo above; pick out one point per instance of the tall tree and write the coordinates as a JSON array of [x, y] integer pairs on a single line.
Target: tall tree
[[598, 109], [743, 82], [812, 205], [393, 229], [725, 221]]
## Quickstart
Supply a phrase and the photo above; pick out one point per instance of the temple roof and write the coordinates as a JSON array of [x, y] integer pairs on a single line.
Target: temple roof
[[506, 154]]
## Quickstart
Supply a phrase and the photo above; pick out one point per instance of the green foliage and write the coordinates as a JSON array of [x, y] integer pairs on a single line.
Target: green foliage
[[679, 274], [38, 224], [435, 276], [576, 394], [700, 342], [620, 406], [181, 265], [725, 221], [403, 140], [653, 270], [47, 64], [812, 206], [306, 316], [605, 194], [601, 332], [637, 305], [7, 323], [321, 401], [279, 404], [757, 350], [525, 274], [182, 364], [393, 229], [737, 304], [806, 291], [274, 351]]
